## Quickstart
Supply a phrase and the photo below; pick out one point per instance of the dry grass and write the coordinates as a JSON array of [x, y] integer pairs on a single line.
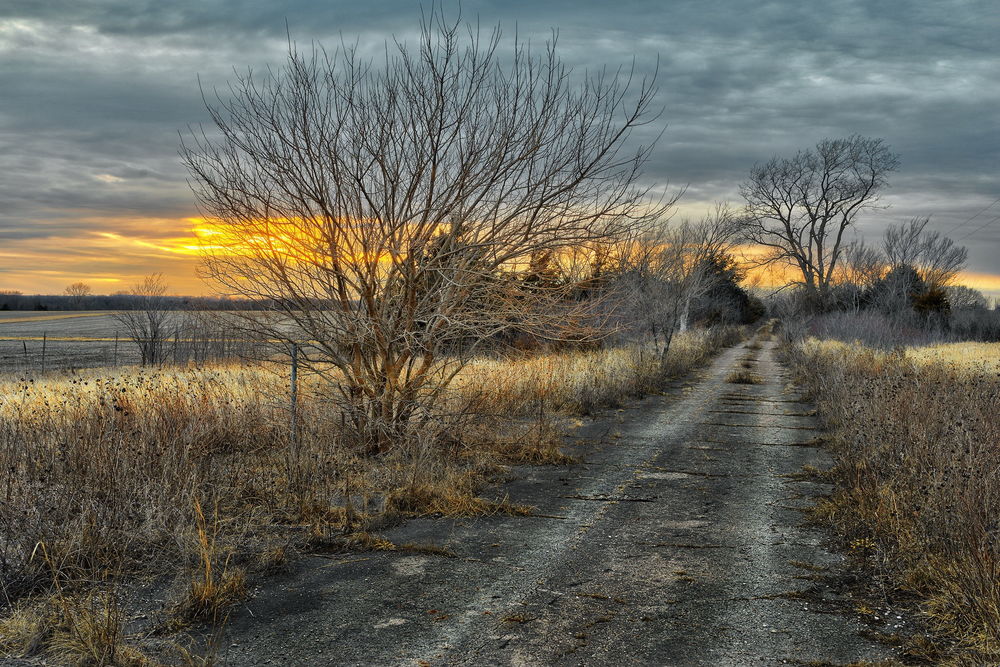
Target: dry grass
[[193, 471], [77, 630], [744, 376], [212, 591], [974, 357], [581, 382], [917, 495]]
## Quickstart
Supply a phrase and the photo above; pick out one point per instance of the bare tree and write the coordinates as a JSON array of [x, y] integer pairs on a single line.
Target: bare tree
[[912, 267], [799, 208], [387, 209], [147, 324], [936, 258], [78, 291], [671, 267], [862, 267], [962, 297]]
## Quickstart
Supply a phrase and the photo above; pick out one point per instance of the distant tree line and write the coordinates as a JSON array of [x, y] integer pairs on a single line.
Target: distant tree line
[[15, 300], [905, 286], [802, 210]]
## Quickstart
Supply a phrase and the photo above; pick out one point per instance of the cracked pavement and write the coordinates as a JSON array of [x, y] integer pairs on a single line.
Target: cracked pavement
[[678, 539]]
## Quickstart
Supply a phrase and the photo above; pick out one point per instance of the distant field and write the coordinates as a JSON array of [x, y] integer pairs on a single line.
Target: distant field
[[34, 316], [15, 326], [84, 339], [973, 356], [977, 355]]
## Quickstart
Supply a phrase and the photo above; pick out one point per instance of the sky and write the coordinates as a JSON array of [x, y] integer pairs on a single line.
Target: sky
[[93, 94]]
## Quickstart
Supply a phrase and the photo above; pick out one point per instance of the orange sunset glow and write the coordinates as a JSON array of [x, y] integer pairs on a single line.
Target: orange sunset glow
[[117, 254], [93, 189]]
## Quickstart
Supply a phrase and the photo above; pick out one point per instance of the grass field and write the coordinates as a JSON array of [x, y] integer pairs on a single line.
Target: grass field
[[970, 356], [976, 357]]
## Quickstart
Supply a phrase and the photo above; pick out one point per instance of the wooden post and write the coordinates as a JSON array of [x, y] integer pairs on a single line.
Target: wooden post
[[295, 392], [27, 364]]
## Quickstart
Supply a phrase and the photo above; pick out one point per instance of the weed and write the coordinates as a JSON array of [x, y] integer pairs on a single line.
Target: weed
[[83, 630], [453, 501], [744, 376], [211, 592]]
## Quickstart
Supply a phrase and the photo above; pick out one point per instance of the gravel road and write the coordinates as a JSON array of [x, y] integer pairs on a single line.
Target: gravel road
[[678, 540]]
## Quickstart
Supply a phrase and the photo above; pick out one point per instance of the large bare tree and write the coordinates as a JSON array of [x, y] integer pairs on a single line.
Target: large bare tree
[[800, 208], [386, 207]]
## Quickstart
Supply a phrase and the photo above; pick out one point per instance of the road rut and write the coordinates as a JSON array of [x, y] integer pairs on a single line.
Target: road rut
[[679, 540]]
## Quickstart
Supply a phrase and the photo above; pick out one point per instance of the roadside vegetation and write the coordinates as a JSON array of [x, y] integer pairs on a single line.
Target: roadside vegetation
[[191, 479], [917, 444], [902, 363]]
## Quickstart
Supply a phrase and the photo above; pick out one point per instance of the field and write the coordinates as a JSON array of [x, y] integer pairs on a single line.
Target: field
[[84, 339], [917, 444], [976, 357], [32, 341]]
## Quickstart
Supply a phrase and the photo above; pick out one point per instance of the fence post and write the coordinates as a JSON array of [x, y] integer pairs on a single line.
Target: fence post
[[295, 392]]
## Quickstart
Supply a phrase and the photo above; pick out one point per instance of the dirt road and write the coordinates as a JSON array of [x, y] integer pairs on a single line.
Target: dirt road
[[677, 541]]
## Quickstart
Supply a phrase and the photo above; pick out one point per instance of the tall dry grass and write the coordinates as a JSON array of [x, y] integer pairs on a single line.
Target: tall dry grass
[[917, 483], [964, 357], [581, 382], [194, 472]]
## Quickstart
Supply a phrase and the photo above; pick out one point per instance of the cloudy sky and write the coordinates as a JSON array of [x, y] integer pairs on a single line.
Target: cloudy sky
[[94, 92]]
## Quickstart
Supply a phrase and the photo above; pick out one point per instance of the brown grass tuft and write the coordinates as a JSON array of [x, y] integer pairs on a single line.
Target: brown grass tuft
[[213, 590], [744, 376], [452, 501], [78, 630]]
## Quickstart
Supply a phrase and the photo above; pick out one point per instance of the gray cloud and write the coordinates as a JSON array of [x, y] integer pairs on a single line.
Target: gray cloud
[[94, 93]]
